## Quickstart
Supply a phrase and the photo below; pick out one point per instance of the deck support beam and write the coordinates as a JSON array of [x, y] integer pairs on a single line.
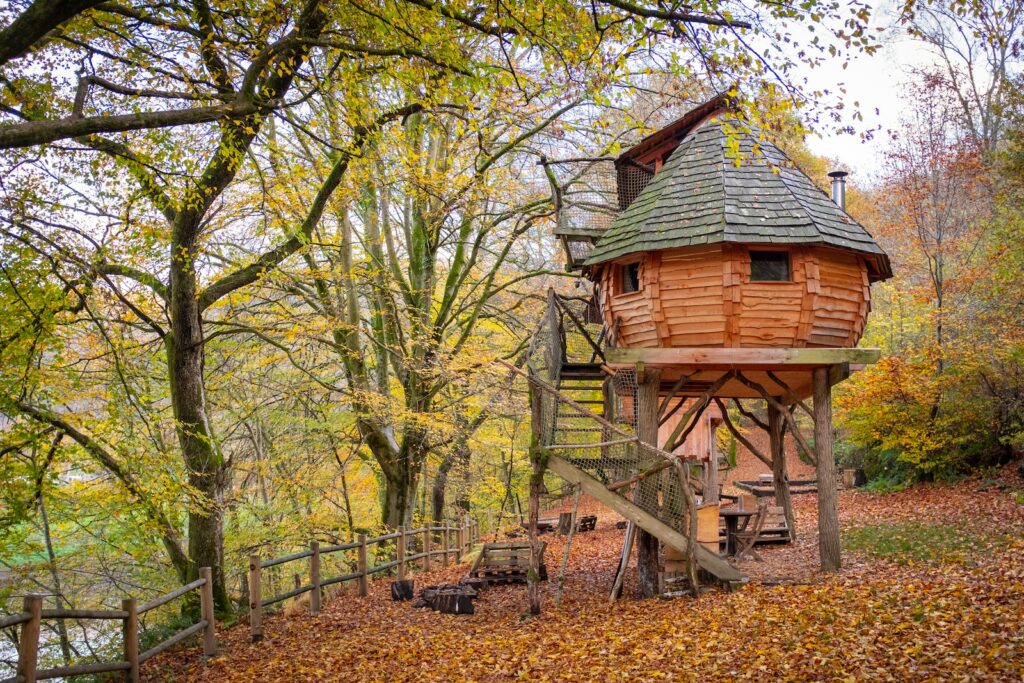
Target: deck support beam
[[828, 509], [647, 545]]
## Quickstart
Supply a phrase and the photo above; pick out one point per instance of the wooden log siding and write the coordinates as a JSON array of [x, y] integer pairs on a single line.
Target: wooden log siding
[[702, 297]]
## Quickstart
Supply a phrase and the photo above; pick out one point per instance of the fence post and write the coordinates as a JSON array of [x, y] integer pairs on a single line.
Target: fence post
[[314, 577], [458, 544], [364, 577], [444, 544], [400, 551], [130, 636], [255, 600], [28, 645], [206, 612], [427, 543]]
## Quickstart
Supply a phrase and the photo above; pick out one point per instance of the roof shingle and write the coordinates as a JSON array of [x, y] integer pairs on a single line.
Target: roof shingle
[[702, 195]]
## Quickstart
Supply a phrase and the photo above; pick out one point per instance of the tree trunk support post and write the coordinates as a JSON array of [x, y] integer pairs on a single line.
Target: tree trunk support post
[[314, 577], [828, 510], [364, 578], [28, 644], [777, 449], [401, 553], [647, 545], [206, 612], [255, 600]]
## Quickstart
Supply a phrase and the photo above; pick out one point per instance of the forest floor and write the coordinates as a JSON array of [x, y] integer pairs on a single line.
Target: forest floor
[[932, 588]]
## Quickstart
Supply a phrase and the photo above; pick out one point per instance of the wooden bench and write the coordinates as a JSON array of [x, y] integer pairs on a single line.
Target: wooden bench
[[507, 562], [775, 528]]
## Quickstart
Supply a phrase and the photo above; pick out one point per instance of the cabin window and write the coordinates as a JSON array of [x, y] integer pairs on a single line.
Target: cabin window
[[769, 266], [630, 278]]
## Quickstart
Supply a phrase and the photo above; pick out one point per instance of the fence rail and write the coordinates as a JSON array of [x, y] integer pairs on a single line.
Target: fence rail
[[33, 614], [435, 541]]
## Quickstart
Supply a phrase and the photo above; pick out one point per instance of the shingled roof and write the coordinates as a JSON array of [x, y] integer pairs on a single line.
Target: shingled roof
[[702, 196]]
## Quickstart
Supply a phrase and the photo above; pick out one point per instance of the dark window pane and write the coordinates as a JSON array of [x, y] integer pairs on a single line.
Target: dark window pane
[[769, 266], [630, 278]]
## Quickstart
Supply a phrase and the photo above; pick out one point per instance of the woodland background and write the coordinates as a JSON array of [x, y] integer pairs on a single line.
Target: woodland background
[[256, 262]]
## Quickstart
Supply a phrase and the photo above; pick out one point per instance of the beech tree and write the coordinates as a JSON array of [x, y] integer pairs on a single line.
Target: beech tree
[[138, 135]]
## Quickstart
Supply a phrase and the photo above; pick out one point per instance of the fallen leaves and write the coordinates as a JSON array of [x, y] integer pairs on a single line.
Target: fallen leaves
[[879, 619]]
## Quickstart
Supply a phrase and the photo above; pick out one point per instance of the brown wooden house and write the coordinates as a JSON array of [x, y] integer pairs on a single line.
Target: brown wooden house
[[723, 242]]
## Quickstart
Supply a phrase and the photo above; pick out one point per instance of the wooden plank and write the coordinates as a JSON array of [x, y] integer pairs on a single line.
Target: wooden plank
[[740, 358], [362, 562], [28, 641], [255, 600], [592, 487], [206, 612], [130, 638]]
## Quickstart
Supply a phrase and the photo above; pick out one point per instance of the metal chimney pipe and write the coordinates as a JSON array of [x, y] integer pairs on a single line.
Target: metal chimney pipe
[[839, 188]]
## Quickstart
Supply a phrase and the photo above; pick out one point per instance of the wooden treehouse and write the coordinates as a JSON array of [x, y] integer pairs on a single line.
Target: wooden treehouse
[[724, 275]]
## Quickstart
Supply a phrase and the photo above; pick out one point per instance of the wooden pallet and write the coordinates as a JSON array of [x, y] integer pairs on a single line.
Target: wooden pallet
[[507, 562]]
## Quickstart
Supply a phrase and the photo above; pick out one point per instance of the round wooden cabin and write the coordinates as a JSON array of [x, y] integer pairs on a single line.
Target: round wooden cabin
[[718, 250]]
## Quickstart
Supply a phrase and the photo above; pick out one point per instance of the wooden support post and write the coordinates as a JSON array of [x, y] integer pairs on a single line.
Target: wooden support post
[[828, 509], [427, 545], [28, 643], [206, 612], [400, 551], [444, 545], [255, 600], [314, 577], [776, 439], [647, 544], [364, 578], [711, 483], [130, 638], [458, 544]]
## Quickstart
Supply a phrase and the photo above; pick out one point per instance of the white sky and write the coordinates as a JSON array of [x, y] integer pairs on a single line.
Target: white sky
[[876, 83]]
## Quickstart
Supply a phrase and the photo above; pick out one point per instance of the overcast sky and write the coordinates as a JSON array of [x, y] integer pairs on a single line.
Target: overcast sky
[[876, 82]]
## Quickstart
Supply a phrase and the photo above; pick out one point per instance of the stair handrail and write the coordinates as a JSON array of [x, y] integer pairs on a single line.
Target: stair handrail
[[559, 396]]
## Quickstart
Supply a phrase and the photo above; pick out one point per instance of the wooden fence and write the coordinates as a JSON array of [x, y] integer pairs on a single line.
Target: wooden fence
[[427, 542], [411, 546], [33, 614]]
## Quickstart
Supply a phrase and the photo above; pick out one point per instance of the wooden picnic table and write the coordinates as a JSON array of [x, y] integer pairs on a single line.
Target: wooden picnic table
[[732, 518]]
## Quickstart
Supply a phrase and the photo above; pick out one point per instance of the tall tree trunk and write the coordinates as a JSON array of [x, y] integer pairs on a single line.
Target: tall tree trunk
[[399, 495], [538, 463], [647, 545], [186, 361], [457, 455]]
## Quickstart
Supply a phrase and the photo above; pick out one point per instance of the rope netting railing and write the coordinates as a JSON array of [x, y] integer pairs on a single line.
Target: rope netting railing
[[613, 455], [602, 442]]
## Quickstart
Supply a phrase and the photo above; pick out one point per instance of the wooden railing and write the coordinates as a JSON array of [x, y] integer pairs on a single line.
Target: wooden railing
[[33, 614], [443, 541], [437, 541]]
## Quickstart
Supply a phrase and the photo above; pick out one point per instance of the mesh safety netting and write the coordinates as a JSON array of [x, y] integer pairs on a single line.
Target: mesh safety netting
[[587, 416]]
